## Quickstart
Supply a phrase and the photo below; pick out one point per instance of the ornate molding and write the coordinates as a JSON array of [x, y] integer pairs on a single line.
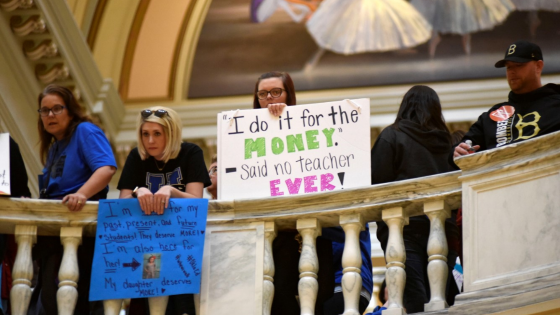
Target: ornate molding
[[49, 37], [45, 49], [13, 5], [34, 24], [57, 72]]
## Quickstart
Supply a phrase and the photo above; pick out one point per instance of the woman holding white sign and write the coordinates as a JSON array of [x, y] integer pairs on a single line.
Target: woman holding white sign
[[274, 90], [160, 168], [417, 144]]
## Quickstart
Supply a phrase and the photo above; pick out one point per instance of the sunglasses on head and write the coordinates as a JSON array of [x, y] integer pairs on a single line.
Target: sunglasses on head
[[148, 112]]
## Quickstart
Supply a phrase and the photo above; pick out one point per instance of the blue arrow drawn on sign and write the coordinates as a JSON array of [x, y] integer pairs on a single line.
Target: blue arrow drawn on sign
[[134, 264]]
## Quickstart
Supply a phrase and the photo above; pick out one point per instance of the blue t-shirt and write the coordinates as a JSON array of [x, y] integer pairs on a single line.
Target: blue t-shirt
[[71, 162], [337, 236]]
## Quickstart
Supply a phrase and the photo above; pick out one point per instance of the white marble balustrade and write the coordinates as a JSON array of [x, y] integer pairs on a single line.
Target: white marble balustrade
[[268, 277], [351, 281], [69, 274], [244, 231], [22, 273], [308, 265]]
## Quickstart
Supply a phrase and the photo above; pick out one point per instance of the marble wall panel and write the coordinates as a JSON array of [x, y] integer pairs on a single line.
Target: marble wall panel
[[233, 269], [513, 227]]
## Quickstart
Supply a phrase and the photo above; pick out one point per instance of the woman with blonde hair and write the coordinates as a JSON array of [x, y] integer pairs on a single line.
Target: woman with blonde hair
[[163, 167]]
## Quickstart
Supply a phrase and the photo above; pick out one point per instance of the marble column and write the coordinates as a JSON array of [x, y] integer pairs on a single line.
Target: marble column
[[351, 282], [112, 307], [395, 256], [22, 273], [270, 233], [69, 274], [158, 305], [437, 211], [308, 265]]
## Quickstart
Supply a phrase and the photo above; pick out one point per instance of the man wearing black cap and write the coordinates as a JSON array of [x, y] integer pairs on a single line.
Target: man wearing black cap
[[531, 110]]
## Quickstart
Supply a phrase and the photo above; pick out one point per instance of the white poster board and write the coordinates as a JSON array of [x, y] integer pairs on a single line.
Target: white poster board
[[307, 149], [5, 164]]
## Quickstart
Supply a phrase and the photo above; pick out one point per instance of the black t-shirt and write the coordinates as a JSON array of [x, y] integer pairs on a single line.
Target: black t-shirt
[[188, 167]]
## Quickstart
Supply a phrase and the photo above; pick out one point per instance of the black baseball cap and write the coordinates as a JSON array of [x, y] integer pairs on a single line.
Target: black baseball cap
[[521, 51]]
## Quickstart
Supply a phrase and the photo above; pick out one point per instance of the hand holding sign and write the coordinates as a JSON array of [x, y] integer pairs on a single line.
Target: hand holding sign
[[137, 255]]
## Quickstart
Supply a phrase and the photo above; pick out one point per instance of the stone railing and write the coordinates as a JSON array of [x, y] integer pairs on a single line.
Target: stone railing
[[511, 238], [250, 227]]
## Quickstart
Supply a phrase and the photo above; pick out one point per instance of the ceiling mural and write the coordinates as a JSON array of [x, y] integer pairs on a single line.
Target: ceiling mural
[[357, 43]]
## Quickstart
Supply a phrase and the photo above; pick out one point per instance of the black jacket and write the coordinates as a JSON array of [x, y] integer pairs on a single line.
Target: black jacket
[[409, 152], [522, 117], [406, 153]]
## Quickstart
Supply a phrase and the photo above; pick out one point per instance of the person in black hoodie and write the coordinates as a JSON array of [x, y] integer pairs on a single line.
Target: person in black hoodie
[[417, 144], [532, 109]]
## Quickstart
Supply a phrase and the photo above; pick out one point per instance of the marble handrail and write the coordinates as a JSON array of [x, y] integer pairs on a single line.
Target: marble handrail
[[51, 215]]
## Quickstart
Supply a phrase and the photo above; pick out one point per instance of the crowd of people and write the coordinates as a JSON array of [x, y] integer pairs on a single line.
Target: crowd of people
[[79, 164]]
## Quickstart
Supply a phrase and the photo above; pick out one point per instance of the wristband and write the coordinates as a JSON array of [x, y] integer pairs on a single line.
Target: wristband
[[134, 195]]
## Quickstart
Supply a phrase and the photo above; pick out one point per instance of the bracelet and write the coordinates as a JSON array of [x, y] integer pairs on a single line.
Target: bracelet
[[134, 195]]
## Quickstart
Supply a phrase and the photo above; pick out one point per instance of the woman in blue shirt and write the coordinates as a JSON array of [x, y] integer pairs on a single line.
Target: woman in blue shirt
[[79, 165]]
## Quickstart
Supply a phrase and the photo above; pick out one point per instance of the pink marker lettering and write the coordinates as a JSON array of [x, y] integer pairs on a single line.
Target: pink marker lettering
[[326, 182], [308, 183], [274, 190], [293, 187]]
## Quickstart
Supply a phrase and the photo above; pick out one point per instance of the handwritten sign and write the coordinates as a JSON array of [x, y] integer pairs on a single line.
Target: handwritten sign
[[309, 148], [5, 164], [138, 255]]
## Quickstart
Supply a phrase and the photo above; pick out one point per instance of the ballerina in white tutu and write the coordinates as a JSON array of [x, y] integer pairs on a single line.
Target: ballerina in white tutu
[[261, 10], [462, 17], [355, 26], [533, 6]]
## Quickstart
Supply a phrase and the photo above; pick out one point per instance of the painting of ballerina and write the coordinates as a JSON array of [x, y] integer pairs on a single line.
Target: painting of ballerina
[[328, 44]]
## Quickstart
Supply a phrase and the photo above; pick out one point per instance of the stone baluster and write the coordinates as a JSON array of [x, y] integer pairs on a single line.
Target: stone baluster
[[69, 274], [268, 268], [22, 273], [158, 305], [112, 307], [395, 256], [308, 265], [351, 283], [437, 211]]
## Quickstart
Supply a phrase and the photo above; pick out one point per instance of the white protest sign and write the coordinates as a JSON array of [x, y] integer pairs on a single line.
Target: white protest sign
[[309, 148], [5, 164]]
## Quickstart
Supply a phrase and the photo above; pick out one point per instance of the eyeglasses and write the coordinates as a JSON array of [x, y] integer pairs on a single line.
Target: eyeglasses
[[275, 93], [148, 112], [213, 170], [56, 110]]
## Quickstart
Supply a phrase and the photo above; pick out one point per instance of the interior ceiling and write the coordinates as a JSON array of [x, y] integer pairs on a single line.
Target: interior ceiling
[[139, 43]]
